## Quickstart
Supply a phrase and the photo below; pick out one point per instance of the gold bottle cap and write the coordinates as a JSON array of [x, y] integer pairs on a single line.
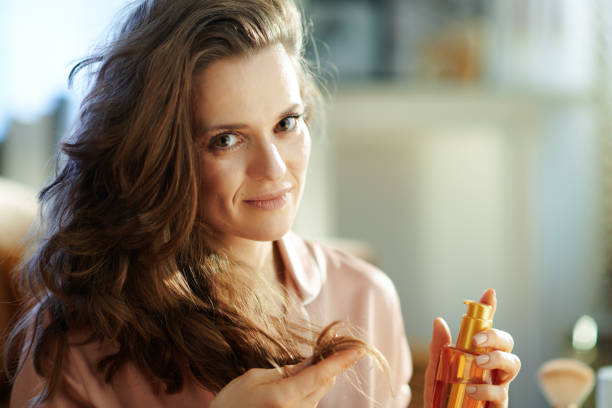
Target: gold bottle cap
[[477, 310], [478, 317]]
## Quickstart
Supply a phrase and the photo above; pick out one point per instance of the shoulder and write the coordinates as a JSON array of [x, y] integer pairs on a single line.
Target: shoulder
[[346, 271]]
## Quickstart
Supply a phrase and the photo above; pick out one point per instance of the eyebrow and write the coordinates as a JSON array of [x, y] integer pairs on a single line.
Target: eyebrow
[[292, 109]]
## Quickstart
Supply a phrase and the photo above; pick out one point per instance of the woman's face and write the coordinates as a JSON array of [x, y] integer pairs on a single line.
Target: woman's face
[[253, 144]]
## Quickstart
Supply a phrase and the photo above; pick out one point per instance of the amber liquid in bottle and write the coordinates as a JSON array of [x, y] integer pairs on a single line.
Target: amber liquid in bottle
[[457, 365]]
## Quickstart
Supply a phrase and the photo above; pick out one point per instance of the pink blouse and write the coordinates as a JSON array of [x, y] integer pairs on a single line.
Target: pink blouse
[[330, 285]]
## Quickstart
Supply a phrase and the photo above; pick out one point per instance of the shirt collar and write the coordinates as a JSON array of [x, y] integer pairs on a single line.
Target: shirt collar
[[305, 265]]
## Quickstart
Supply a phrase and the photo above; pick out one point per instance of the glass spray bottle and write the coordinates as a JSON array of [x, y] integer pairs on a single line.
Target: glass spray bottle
[[457, 364]]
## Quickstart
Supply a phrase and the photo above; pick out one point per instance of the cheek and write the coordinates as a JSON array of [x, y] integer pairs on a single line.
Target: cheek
[[219, 182], [302, 153], [307, 146]]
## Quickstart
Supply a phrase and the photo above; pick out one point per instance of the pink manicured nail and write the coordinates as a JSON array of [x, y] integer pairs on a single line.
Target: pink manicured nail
[[480, 338], [470, 389], [482, 359]]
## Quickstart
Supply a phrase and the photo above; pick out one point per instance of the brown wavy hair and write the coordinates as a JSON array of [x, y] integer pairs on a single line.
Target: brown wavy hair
[[125, 254]]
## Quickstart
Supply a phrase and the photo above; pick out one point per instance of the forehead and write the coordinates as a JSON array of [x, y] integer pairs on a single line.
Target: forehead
[[247, 88]]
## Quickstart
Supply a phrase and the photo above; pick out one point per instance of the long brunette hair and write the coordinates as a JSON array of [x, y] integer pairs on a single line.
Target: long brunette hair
[[126, 256]]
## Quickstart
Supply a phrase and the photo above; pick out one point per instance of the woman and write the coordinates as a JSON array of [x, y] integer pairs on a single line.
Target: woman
[[169, 275]]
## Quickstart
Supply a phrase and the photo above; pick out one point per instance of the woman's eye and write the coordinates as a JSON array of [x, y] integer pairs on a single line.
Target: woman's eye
[[224, 141], [287, 124]]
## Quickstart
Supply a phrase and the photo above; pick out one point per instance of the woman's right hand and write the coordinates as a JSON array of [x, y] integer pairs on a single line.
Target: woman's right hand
[[299, 386]]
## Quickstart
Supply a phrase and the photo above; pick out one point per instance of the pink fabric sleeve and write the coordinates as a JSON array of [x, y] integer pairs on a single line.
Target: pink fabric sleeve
[[398, 353], [28, 384], [387, 334]]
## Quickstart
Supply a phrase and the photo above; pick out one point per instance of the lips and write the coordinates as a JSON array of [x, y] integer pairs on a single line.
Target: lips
[[270, 196], [270, 201]]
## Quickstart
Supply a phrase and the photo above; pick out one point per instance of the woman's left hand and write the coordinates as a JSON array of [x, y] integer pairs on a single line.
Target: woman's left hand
[[505, 364]]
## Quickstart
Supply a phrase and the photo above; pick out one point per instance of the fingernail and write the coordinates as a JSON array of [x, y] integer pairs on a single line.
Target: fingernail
[[480, 338], [482, 359], [470, 389]]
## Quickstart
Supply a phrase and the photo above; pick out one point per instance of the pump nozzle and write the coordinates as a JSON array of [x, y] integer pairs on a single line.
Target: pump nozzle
[[478, 317]]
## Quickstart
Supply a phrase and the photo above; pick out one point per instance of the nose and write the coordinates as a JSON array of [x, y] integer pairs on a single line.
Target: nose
[[267, 163]]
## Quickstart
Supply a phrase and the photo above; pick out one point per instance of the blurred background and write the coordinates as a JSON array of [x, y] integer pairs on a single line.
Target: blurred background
[[468, 145]]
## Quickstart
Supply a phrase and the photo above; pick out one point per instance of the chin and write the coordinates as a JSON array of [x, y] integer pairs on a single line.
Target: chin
[[269, 234], [272, 230]]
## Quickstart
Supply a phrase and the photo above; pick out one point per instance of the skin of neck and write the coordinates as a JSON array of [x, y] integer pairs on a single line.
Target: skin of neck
[[256, 256]]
